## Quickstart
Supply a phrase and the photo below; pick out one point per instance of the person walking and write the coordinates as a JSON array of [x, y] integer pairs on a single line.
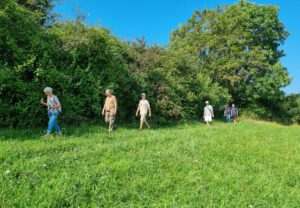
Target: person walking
[[227, 113], [208, 113], [143, 108], [234, 113], [54, 109], [110, 110]]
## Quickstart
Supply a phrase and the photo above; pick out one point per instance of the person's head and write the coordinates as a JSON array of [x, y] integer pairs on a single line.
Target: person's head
[[108, 92], [233, 105], [143, 95], [206, 102], [48, 91]]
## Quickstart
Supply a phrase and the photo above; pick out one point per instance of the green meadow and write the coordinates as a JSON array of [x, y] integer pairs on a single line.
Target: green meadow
[[251, 164]]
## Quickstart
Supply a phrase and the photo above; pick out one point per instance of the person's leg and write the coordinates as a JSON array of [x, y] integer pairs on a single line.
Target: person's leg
[[142, 120], [141, 124], [106, 119], [146, 122], [148, 126], [228, 118], [56, 126], [210, 121], [49, 128], [111, 122], [51, 123]]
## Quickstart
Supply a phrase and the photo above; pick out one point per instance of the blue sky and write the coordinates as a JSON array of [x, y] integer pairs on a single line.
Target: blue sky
[[155, 19]]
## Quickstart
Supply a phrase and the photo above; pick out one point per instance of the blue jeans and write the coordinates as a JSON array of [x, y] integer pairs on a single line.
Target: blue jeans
[[228, 118], [53, 122]]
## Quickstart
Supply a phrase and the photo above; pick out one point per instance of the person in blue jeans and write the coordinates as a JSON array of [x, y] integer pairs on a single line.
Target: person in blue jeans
[[227, 113], [54, 109]]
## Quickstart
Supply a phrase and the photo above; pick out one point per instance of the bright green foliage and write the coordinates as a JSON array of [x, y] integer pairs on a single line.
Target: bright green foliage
[[79, 62], [175, 86], [222, 54], [41, 8], [238, 47], [19, 33], [187, 165]]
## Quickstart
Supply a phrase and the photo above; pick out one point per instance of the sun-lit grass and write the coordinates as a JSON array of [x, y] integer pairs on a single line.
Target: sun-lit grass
[[251, 164]]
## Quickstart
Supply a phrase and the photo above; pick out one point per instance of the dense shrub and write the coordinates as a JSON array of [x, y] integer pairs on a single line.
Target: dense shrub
[[80, 62]]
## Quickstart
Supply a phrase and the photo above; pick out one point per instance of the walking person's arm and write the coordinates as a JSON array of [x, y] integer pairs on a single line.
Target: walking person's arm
[[104, 108], [57, 104], [43, 102], [150, 113], [116, 105], [137, 110]]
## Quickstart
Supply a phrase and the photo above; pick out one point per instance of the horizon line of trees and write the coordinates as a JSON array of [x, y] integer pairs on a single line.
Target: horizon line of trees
[[227, 54]]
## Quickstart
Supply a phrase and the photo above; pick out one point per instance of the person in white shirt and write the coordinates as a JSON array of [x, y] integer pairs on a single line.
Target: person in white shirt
[[208, 113], [143, 108]]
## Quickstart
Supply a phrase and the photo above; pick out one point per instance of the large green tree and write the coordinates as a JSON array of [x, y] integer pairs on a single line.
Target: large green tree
[[238, 46]]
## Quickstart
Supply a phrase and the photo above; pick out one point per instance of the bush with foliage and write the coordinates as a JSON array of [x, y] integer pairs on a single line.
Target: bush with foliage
[[230, 53]]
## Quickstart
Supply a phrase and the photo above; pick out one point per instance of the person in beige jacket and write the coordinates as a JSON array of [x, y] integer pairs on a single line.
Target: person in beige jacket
[[110, 110]]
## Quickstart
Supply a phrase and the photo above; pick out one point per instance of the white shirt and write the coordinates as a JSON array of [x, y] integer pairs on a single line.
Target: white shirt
[[208, 111], [144, 107]]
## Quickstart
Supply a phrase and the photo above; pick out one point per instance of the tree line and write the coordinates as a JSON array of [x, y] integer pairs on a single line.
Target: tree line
[[230, 54]]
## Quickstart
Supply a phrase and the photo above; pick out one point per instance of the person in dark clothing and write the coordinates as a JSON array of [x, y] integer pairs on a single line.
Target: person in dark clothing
[[227, 113]]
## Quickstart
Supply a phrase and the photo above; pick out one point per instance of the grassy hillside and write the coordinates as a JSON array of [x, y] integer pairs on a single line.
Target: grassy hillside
[[252, 164]]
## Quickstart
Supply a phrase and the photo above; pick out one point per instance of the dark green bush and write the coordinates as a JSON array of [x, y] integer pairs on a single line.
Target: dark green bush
[[80, 62]]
